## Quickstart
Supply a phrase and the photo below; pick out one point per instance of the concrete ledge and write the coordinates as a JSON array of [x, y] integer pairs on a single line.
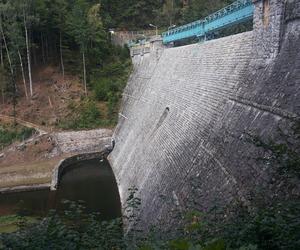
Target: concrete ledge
[[65, 163], [57, 173], [24, 188]]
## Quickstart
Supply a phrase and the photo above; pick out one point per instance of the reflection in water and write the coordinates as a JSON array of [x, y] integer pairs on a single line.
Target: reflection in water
[[90, 181]]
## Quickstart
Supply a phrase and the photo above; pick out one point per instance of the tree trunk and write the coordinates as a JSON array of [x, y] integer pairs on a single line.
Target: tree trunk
[[2, 65], [34, 56], [23, 74], [84, 72], [2, 90], [43, 51], [28, 56], [61, 56], [6, 48], [1, 51], [14, 99], [47, 48]]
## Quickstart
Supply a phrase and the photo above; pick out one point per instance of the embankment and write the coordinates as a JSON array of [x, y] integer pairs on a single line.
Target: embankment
[[38, 162]]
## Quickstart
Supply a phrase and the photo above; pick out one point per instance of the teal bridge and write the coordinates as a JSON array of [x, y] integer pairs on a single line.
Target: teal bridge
[[238, 12]]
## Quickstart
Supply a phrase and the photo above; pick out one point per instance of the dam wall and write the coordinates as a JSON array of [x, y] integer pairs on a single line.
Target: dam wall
[[185, 114]]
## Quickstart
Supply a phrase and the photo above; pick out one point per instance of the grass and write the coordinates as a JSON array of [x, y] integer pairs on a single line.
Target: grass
[[27, 174], [9, 134], [10, 223]]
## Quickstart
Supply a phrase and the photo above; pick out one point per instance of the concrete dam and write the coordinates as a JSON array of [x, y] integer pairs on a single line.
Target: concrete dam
[[185, 112]]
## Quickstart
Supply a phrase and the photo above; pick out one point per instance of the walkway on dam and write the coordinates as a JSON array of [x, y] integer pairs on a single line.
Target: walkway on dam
[[238, 12], [41, 129]]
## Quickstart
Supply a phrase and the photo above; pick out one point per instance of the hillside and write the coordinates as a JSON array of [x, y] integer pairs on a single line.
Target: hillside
[[51, 101]]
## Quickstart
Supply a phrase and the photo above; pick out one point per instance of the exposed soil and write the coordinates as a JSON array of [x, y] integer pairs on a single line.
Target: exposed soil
[[52, 95], [28, 163], [33, 150], [31, 162]]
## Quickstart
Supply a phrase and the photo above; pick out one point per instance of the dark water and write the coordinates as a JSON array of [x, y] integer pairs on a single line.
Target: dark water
[[89, 181]]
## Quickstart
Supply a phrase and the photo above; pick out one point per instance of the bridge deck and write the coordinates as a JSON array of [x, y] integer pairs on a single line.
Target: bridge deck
[[237, 12]]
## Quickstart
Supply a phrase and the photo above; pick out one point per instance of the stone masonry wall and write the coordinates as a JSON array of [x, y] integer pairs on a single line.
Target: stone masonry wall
[[80, 142], [184, 116], [267, 22]]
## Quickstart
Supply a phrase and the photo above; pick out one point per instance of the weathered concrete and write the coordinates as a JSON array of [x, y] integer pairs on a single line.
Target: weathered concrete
[[185, 111], [82, 141], [268, 28], [24, 188], [37, 162], [64, 164]]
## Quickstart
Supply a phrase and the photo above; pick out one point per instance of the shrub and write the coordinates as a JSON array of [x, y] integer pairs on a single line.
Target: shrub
[[85, 116], [108, 85], [10, 134], [101, 88], [274, 227]]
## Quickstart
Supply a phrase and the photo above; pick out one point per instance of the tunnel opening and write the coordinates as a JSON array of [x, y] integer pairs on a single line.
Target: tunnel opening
[[90, 182]]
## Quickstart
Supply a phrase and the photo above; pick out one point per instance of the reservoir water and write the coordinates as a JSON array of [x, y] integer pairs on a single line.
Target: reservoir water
[[91, 182]]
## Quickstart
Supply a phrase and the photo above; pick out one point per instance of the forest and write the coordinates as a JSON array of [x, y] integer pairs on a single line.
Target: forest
[[72, 38], [69, 35], [136, 14]]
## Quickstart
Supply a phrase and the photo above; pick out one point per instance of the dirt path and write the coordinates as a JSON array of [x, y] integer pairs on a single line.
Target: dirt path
[[40, 129]]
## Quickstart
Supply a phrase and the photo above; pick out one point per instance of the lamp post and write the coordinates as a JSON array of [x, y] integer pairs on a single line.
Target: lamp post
[[156, 28]]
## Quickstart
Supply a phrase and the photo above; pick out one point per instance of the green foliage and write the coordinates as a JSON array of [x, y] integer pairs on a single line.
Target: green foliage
[[109, 82], [74, 36], [10, 134], [283, 154], [131, 14], [3, 80], [86, 115], [113, 105], [71, 230], [107, 85], [102, 88], [77, 23], [198, 9], [274, 227], [12, 223], [137, 14]]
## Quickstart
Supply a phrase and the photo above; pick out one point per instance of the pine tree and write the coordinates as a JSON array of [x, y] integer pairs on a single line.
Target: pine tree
[[79, 28]]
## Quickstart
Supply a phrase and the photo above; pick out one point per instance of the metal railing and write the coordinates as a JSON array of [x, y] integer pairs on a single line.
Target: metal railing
[[237, 12]]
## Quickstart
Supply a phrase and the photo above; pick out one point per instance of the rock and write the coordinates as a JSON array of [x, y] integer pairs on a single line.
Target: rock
[[2, 155], [21, 147]]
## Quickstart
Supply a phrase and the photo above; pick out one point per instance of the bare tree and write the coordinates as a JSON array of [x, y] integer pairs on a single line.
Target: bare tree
[[23, 74], [28, 51]]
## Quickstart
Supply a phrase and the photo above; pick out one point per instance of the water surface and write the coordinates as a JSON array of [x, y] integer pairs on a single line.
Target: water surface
[[90, 181]]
